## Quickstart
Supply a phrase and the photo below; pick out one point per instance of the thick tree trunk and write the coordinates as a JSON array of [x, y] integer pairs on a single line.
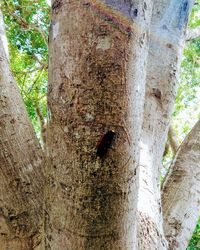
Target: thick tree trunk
[[97, 60], [97, 85], [21, 177], [180, 194], [169, 20]]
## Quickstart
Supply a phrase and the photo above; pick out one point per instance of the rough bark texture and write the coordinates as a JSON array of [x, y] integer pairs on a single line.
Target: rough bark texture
[[181, 192], [21, 178], [169, 20], [97, 73], [97, 85]]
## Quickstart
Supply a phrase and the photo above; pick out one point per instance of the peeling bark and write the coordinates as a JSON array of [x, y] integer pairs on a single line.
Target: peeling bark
[[180, 193]]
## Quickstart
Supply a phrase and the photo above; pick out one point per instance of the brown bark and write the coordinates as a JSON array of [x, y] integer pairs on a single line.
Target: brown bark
[[93, 89], [96, 84], [21, 176]]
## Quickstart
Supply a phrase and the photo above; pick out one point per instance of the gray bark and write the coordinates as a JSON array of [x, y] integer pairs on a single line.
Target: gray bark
[[180, 193], [168, 25]]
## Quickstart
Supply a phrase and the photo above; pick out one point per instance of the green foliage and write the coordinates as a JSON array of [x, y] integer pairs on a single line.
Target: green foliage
[[27, 24], [187, 108], [194, 17], [195, 241]]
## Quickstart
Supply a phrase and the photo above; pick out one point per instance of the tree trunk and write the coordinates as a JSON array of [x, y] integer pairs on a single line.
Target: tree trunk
[[168, 24], [99, 84], [21, 176], [96, 86], [180, 194]]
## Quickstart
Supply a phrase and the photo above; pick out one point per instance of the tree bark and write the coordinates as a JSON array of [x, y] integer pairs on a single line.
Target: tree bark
[[42, 125], [97, 85], [169, 20], [21, 176], [180, 194], [97, 76]]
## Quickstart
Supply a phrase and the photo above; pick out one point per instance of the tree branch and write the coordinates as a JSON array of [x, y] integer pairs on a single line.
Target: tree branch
[[25, 25], [192, 34], [42, 123], [3, 35], [21, 165], [173, 140], [166, 149], [180, 193]]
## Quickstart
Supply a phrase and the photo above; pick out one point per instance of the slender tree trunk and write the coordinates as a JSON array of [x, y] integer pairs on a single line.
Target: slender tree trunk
[[180, 194], [97, 85], [21, 177]]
